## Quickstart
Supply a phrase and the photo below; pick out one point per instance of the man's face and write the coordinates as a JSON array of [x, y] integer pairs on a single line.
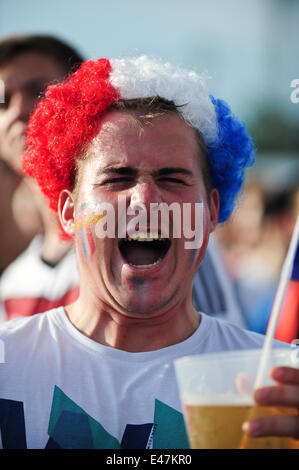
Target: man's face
[[24, 78], [158, 162]]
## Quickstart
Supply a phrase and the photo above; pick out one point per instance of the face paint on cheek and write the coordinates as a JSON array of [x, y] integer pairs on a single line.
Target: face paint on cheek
[[84, 226], [84, 242], [193, 258], [200, 235], [90, 242], [205, 234]]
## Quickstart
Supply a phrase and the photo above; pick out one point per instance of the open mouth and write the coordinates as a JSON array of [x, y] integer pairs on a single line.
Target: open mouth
[[143, 251]]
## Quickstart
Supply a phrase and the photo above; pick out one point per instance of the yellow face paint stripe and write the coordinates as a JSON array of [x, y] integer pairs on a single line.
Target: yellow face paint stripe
[[91, 220]]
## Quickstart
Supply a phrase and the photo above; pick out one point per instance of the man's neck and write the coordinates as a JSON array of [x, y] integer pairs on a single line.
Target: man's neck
[[119, 331]]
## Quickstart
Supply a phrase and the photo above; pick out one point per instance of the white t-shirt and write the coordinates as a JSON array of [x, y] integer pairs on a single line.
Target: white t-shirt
[[59, 388]]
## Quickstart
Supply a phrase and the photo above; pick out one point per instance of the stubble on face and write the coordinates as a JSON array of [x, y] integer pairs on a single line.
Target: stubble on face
[[166, 142]]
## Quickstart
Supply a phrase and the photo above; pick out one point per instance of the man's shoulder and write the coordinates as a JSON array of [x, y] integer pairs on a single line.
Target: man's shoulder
[[226, 335], [25, 324]]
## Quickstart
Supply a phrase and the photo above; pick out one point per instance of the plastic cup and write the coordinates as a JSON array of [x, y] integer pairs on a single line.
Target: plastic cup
[[217, 398]]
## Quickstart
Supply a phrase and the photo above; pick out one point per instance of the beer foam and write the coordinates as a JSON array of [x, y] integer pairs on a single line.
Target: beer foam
[[217, 399]]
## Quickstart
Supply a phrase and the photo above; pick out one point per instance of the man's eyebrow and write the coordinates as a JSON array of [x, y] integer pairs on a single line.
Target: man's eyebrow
[[130, 171], [119, 170], [172, 170]]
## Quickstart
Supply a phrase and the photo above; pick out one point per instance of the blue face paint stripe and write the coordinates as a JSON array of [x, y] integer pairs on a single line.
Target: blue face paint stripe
[[84, 242]]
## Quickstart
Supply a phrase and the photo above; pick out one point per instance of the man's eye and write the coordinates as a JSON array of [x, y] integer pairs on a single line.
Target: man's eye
[[172, 180], [117, 181]]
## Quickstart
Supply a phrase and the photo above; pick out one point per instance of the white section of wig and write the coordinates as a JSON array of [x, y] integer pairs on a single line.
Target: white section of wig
[[145, 76]]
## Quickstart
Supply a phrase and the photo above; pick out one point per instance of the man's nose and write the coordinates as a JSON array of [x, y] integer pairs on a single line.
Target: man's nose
[[143, 194], [22, 104]]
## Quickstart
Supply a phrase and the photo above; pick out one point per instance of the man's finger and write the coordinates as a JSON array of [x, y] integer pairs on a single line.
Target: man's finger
[[281, 395], [287, 375], [273, 426]]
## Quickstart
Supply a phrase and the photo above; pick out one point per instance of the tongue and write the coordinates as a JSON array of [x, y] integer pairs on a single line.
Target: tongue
[[141, 253]]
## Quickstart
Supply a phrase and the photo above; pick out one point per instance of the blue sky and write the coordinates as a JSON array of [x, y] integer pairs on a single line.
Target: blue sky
[[250, 48]]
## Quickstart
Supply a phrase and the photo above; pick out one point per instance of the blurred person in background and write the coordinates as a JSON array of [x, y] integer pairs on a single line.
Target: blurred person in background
[[44, 274], [240, 235], [254, 244], [10, 233]]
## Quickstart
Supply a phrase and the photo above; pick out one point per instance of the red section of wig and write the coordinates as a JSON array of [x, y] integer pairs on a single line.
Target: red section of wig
[[63, 122]]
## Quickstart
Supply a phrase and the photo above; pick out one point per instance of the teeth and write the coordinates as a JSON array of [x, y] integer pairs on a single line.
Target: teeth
[[146, 265], [144, 237]]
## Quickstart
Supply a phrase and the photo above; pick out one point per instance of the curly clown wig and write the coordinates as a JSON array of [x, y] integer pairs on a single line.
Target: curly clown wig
[[69, 117]]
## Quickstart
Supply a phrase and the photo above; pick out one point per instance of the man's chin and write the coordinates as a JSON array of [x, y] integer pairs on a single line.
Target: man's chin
[[141, 308]]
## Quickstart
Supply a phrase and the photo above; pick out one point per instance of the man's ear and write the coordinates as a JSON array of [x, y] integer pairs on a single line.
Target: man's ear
[[66, 212], [214, 209]]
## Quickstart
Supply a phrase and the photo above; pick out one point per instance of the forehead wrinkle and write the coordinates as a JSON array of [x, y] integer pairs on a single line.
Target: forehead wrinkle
[[107, 141], [118, 169], [172, 170], [129, 120], [111, 146]]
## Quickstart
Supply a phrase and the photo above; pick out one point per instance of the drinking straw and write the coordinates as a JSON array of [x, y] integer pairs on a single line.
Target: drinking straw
[[278, 301]]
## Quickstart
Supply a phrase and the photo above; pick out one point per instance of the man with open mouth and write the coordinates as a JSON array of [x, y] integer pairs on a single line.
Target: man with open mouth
[[118, 140]]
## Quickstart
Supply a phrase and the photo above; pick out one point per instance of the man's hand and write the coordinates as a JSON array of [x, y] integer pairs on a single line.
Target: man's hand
[[285, 394]]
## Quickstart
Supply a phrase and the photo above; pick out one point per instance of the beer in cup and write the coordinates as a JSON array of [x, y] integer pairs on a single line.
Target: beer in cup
[[217, 397]]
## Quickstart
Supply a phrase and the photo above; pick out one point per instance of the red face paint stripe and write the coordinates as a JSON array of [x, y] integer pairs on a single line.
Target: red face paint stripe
[[90, 240]]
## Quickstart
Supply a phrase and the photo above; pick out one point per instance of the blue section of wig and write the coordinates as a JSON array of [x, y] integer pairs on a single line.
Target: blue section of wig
[[228, 157]]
